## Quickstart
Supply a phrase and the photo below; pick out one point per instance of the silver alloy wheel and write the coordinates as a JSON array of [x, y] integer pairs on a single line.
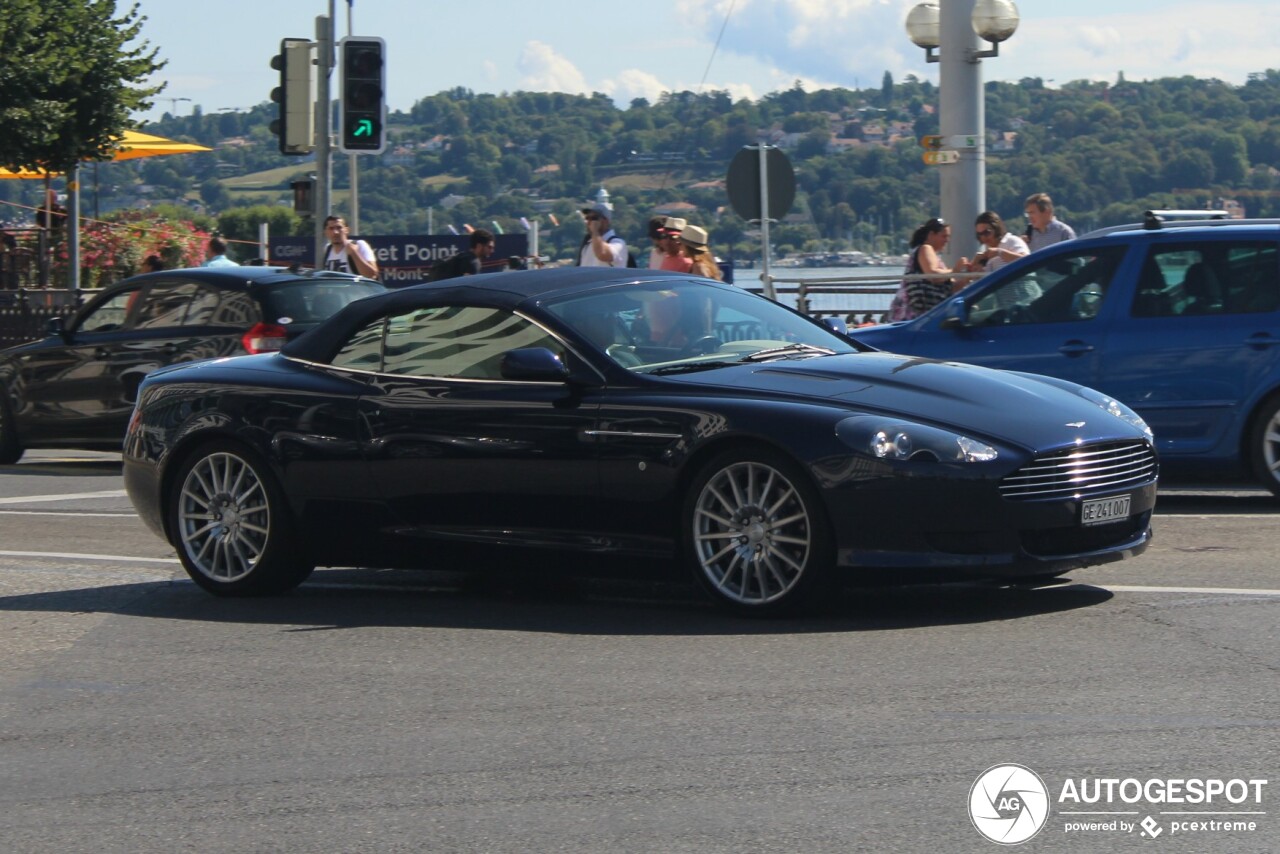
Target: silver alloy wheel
[[224, 518], [751, 533], [1271, 447]]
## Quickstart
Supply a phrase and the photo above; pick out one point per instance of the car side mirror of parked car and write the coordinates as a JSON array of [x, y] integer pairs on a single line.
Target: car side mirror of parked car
[[957, 315], [56, 326], [533, 364]]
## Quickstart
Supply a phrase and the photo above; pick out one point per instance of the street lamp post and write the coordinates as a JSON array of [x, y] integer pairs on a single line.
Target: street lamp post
[[949, 31]]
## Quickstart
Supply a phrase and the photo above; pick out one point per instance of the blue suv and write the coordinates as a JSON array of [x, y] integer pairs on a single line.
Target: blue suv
[[1181, 321]]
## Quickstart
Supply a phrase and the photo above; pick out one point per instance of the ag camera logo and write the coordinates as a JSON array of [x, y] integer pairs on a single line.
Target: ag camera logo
[[1009, 804]]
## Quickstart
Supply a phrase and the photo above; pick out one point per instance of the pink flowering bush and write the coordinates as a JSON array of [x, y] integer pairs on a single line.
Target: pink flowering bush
[[113, 248]]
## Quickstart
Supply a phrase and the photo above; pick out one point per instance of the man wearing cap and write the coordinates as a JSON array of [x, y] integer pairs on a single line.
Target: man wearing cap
[[601, 247]]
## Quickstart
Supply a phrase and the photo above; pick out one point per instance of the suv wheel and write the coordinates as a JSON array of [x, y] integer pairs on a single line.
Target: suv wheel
[[1264, 445]]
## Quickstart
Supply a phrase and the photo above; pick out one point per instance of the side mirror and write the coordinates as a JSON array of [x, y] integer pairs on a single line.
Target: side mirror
[[533, 364], [835, 324], [956, 315], [56, 326]]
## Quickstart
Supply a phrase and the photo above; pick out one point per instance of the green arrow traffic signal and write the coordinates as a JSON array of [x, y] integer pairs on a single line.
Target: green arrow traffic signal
[[364, 127]]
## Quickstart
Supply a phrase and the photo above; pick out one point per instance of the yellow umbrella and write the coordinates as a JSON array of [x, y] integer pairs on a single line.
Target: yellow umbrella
[[129, 145]]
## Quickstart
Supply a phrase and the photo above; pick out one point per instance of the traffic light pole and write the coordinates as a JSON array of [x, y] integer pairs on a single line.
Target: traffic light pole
[[324, 128]]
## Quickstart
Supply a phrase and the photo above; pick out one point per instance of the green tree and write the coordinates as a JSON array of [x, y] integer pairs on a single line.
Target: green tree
[[70, 75]]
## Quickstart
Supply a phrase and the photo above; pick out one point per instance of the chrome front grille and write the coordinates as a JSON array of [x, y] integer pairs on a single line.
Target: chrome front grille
[[1083, 470]]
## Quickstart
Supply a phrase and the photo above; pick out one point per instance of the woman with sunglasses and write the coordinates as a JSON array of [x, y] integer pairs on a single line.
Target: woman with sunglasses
[[999, 247]]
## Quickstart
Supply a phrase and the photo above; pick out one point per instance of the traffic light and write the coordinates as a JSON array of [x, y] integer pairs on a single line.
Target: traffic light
[[362, 123], [295, 124], [304, 194]]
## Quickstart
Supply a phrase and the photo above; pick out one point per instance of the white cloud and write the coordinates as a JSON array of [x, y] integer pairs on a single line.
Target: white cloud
[[631, 84], [853, 42], [544, 70]]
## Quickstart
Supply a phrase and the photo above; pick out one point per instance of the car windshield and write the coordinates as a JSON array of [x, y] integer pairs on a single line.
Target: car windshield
[[674, 326], [311, 301]]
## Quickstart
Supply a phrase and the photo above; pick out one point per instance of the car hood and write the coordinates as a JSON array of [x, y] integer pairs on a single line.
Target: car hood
[[998, 404]]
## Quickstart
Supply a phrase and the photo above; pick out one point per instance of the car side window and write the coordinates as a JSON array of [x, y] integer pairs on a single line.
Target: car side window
[[165, 304], [363, 350], [1208, 278], [464, 342], [1064, 287], [111, 314]]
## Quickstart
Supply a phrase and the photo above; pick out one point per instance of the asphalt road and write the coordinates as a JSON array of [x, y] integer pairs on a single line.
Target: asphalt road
[[399, 711]]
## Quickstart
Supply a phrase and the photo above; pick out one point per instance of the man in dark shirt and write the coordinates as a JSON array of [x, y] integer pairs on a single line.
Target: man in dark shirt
[[466, 263]]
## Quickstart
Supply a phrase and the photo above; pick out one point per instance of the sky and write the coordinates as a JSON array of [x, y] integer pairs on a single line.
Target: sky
[[218, 55]]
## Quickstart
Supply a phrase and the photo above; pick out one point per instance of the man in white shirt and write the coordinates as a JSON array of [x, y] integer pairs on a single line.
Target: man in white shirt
[[344, 254], [601, 247]]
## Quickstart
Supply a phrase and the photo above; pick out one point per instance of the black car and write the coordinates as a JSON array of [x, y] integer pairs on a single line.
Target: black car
[[634, 414], [76, 388]]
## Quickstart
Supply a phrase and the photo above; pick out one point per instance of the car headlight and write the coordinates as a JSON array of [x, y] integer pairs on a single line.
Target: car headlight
[[1116, 408], [895, 439]]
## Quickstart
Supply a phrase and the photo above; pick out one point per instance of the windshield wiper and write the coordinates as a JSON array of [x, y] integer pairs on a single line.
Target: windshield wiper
[[690, 367], [786, 350]]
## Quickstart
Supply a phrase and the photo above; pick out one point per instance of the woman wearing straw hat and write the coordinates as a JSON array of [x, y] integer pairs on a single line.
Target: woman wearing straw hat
[[694, 239]]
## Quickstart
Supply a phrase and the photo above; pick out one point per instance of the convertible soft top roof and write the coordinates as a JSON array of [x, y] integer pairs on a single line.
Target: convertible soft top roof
[[496, 290]]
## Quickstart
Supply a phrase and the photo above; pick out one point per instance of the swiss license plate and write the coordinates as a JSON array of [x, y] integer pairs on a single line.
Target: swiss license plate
[[1100, 511]]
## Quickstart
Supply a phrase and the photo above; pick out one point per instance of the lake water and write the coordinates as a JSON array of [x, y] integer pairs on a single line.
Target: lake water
[[882, 278]]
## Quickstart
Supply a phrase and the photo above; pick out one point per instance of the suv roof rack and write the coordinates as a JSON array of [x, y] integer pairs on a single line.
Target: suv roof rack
[[1160, 220], [1157, 219]]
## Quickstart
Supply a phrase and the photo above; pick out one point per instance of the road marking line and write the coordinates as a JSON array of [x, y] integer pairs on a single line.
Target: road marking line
[[1227, 591], [1259, 515], [66, 513], [70, 496], [75, 556]]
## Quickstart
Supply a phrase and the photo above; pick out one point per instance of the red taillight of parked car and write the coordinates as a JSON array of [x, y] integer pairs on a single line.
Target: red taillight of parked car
[[264, 338]]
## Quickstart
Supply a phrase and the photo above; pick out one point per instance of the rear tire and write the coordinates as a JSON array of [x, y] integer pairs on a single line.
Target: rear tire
[[1264, 445], [10, 448], [756, 535], [234, 533]]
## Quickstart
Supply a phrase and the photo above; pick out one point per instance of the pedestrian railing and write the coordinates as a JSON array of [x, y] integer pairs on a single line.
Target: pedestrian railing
[[24, 314], [847, 295]]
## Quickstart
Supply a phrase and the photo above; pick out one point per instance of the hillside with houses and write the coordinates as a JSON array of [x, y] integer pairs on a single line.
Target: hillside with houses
[[1105, 151]]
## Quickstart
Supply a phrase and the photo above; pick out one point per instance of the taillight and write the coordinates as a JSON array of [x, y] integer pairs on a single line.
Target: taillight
[[264, 338]]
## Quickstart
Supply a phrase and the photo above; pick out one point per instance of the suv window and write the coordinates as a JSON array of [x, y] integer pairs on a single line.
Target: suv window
[[1063, 287], [1208, 277]]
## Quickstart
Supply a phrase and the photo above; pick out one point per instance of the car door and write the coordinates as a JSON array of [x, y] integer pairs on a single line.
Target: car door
[[460, 453], [68, 390], [1049, 315], [1201, 342]]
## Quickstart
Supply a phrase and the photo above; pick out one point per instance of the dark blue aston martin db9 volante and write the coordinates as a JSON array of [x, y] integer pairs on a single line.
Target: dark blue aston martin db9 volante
[[629, 414]]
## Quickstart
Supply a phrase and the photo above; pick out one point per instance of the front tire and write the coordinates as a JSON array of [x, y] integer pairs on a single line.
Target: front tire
[[1264, 445], [232, 525], [756, 534]]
